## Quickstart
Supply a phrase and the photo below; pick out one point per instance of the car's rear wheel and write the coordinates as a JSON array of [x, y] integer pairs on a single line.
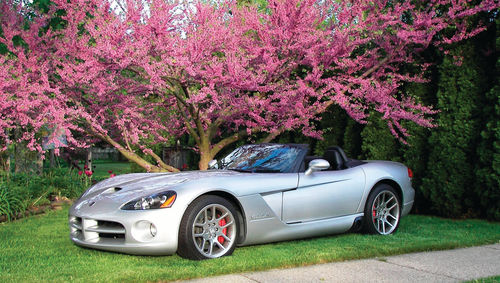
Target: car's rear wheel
[[382, 210], [208, 229]]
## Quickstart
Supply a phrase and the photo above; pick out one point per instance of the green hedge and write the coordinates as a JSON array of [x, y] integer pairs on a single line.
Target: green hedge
[[456, 164]]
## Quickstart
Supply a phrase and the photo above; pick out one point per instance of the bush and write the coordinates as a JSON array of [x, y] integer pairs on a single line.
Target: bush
[[64, 182], [488, 151], [457, 164], [20, 191], [378, 142], [10, 203]]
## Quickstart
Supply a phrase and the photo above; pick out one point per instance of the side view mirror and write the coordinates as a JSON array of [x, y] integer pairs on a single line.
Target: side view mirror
[[317, 165], [213, 164]]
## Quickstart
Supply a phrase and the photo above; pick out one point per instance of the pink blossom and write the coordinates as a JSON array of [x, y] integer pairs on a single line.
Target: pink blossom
[[163, 70]]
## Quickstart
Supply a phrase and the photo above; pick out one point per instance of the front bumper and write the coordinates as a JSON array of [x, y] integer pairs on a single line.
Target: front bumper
[[148, 232]]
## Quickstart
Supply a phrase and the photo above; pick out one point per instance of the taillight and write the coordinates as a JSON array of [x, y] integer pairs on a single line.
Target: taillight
[[410, 173]]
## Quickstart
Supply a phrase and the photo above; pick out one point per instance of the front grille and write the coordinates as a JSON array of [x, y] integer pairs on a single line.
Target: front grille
[[111, 236], [94, 231]]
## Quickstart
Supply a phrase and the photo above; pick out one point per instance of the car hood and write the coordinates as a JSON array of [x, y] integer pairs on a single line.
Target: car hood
[[121, 189], [144, 183], [114, 192]]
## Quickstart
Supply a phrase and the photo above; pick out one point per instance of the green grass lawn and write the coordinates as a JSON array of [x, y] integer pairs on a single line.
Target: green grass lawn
[[38, 249], [101, 168], [493, 279]]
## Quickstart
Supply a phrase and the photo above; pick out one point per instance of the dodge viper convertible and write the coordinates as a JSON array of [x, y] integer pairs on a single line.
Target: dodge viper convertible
[[259, 193]]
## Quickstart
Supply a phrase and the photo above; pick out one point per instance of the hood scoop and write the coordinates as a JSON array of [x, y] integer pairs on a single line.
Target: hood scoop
[[111, 190]]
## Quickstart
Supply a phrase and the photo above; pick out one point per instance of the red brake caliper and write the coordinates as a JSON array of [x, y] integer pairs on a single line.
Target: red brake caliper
[[222, 222], [374, 214]]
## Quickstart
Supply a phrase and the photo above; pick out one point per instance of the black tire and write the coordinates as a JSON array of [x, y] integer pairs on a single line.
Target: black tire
[[198, 228], [382, 210]]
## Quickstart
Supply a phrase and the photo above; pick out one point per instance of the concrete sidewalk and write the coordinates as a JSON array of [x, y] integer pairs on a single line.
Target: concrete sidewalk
[[441, 266]]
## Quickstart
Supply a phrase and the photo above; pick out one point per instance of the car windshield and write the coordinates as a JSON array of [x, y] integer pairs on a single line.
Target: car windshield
[[262, 158]]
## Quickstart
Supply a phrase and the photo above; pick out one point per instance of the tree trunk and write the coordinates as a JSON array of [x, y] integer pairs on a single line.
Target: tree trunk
[[208, 152], [27, 161], [205, 157], [5, 161], [52, 158], [19, 158], [17, 153], [39, 163], [88, 160]]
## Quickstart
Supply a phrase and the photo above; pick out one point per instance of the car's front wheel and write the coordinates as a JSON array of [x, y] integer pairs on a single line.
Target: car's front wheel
[[382, 210], [208, 229]]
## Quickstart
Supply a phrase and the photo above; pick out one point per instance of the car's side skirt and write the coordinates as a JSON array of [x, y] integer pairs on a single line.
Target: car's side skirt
[[274, 230]]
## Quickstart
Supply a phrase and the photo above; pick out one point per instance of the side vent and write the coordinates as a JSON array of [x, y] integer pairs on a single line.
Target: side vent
[[112, 190]]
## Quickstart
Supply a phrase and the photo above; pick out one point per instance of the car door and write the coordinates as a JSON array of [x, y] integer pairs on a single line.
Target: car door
[[324, 194]]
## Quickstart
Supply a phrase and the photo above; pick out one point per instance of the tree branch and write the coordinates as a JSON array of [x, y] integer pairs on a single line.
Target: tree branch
[[212, 129], [227, 141], [273, 135], [121, 6], [131, 155], [280, 130], [364, 75], [199, 126], [176, 94], [163, 164], [190, 129], [195, 113]]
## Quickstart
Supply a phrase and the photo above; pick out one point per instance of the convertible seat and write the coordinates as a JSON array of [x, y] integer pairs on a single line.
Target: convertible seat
[[336, 157]]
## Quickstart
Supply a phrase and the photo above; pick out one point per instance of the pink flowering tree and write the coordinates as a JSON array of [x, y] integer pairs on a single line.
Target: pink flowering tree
[[161, 70], [29, 103], [54, 79], [146, 71], [363, 52], [98, 55]]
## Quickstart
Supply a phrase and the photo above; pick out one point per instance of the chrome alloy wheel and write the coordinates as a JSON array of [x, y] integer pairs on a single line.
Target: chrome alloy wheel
[[214, 230], [385, 212]]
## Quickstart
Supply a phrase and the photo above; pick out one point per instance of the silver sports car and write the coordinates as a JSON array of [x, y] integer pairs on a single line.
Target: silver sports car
[[259, 193]]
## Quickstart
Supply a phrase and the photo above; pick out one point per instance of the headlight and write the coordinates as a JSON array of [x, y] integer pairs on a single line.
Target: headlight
[[160, 200]]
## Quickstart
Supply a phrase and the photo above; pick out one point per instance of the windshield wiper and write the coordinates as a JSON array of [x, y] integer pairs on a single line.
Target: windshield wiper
[[241, 170], [256, 170], [266, 171]]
